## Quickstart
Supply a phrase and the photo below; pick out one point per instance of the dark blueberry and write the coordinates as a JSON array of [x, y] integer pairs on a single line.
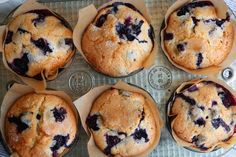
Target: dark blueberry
[[216, 123], [181, 46], [227, 98], [188, 99], [41, 15], [151, 34], [192, 88], [142, 116], [200, 122], [91, 121], [128, 21], [59, 114], [199, 59], [111, 141], [20, 65], [198, 141], [69, 41], [168, 36], [122, 133], [214, 103], [185, 9], [42, 44], [60, 141], [20, 125], [9, 37], [38, 116], [195, 20], [22, 31], [202, 108], [129, 31], [139, 134], [101, 20]]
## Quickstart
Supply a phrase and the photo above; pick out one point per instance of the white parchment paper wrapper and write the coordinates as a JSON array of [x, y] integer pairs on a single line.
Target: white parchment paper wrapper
[[28, 5], [17, 91], [88, 14], [227, 144], [84, 104], [212, 71]]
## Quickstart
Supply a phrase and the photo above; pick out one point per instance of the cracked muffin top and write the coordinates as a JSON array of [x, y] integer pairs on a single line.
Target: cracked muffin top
[[118, 41], [40, 125], [38, 41], [204, 115], [196, 38], [122, 123]]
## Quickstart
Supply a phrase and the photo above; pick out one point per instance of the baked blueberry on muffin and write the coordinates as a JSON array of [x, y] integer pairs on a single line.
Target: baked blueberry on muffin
[[40, 125], [202, 115], [38, 42], [118, 41], [196, 38], [122, 123]]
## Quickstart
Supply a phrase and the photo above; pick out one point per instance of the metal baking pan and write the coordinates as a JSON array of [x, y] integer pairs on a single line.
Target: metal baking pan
[[159, 81]]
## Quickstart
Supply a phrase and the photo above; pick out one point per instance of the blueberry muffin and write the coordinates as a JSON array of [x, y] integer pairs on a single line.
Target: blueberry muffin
[[38, 41], [118, 41], [203, 115], [196, 38], [122, 124], [40, 125]]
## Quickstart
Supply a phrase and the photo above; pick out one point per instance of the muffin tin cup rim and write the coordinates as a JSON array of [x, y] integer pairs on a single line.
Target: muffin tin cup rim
[[211, 71], [179, 89], [41, 83], [16, 90]]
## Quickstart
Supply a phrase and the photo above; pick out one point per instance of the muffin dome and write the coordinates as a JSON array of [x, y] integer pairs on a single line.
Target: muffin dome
[[118, 41], [122, 124], [38, 42], [196, 38], [40, 125], [203, 115]]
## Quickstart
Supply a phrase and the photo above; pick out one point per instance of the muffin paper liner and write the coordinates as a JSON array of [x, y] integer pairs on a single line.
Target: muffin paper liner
[[29, 5], [84, 104], [213, 71], [17, 91], [223, 144], [87, 15]]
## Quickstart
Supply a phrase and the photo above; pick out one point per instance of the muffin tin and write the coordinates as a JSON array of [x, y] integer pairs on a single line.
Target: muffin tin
[[160, 89]]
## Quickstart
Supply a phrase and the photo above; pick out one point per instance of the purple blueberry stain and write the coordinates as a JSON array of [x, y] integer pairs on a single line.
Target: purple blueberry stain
[[111, 142], [41, 15], [60, 141], [192, 88], [17, 120], [199, 59], [168, 36], [226, 98], [202, 108], [69, 41], [20, 65], [59, 114], [187, 8], [91, 121], [217, 122], [43, 45], [214, 103], [181, 46], [140, 134], [200, 122], [101, 20], [9, 37]]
